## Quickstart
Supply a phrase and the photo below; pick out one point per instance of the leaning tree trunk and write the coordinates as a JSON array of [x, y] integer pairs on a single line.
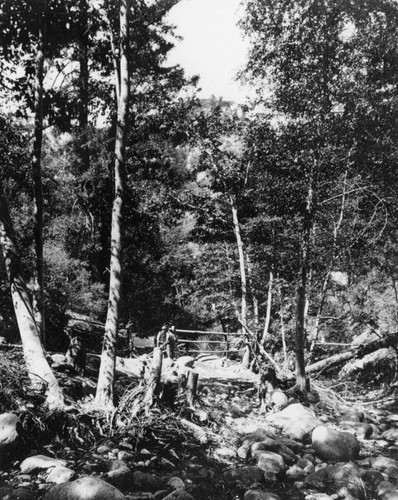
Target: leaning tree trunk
[[40, 374], [38, 293], [104, 394], [241, 260]]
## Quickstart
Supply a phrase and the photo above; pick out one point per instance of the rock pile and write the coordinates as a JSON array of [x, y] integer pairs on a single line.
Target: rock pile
[[296, 452]]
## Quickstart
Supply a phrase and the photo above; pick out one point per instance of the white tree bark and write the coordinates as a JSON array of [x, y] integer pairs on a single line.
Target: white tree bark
[[41, 376], [105, 393], [242, 267]]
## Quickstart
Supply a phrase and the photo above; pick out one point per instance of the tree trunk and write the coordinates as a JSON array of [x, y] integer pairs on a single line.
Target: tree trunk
[[326, 281], [83, 84], [251, 287], [300, 336], [104, 394], [241, 260], [38, 292], [269, 304], [40, 374]]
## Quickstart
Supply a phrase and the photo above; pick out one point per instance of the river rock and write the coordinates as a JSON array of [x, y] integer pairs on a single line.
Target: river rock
[[269, 461], [353, 416], [295, 472], [343, 479], [390, 434], [145, 481], [8, 493], [359, 429], [385, 465], [85, 488], [176, 483], [40, 462], [260, 495], [387, 491], [273, 445], [260, 434], [121, 478], [60, 474], [9, 436], [333, 445], [246, 475], [296, 421], [279, 400]]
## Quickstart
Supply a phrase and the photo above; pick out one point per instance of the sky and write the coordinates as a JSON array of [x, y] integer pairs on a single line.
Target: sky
[[212, 46]]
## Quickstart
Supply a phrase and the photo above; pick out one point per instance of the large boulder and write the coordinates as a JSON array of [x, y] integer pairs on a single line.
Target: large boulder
[[333, 445], [296, 421], [85, 488], [9, 437]]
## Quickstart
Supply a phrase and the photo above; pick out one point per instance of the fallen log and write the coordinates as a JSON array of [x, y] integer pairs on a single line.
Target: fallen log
[[379, 362], [361, 346], [335, 360]]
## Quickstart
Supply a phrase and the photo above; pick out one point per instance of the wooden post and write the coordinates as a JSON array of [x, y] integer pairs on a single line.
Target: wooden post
[[192, 384], [246, 356], [226, 346]]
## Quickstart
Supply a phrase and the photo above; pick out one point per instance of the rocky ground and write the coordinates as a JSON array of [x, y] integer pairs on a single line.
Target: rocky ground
[[337, 445]]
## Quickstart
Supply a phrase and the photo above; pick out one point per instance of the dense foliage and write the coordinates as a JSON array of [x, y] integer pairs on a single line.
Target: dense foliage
[[224, 206]]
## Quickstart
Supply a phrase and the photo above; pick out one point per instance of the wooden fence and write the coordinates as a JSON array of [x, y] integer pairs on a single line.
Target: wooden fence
[[226, 345]]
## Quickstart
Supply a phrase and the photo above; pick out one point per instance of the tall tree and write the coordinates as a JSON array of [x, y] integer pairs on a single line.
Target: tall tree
[[104, 395], [38, 292]]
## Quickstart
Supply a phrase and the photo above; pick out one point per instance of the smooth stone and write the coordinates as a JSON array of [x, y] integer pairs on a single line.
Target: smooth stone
[[295, 472], [333, 445], [273, 445], [361, 430], [270, 461], [296, 421], [260, 495], [176, 483], [279, 400], [85, 488], [9, 437], [385, 465], [60, 474], [390, 434], [40, 462]]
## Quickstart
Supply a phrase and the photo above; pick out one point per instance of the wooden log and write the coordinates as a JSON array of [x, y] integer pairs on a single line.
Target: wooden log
[[358, 350], [376, 362], [197, 431], [335, 360]]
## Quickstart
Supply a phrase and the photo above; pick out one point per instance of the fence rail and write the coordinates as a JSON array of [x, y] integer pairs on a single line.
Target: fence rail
[[224, 345]]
